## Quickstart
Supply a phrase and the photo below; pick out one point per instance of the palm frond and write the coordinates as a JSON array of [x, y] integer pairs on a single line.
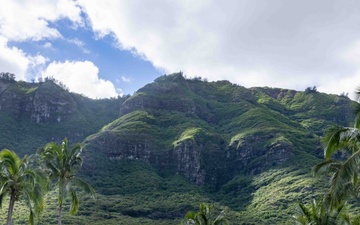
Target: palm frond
[[29, 176], [190, 215], [42, 180], [75, 149], [54, 170], [220, 219], [64, 163], [332, 140], [49, 151], [10, 161], [355, 221], [305, 216], [31, 218], [357, 111], [38, 199], [21, 182], [2, 196], [320, 212], [63, 189], [32, 213], [328, 166], [74, 202], [304, 210], [5, 186], [85, 186], [204, 216], [342, 180]]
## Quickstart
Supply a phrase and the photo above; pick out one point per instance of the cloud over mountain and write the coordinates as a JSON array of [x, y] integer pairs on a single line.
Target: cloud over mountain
[[279, 43], [81, 77]]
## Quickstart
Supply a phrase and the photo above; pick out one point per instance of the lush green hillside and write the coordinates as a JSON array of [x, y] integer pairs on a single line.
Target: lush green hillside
[[178, 142], [247, 149], [32, 114]]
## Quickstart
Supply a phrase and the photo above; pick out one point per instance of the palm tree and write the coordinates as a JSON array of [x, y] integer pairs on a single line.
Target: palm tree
[[204, 217], [321, 213], [19, 181], [63, 164], [344, 178], [342, 161]]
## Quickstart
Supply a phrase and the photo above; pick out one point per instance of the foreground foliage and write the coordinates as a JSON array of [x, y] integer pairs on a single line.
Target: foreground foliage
[[344, 169], [278, 130], [342, 162], [320, 212], [21, 182], [205, 216], [64, 163]]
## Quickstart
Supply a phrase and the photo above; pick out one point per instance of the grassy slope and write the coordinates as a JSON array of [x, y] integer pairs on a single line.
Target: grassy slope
[[22, 134], [211, 113], [221, 111]]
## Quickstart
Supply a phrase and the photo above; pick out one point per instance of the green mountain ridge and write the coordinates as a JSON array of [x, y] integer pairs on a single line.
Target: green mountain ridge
[[33, 114], [177, 142]]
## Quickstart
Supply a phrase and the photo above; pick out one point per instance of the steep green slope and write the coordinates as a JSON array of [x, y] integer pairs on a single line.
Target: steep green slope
[[248, 149], [178, 142], [32, 114]]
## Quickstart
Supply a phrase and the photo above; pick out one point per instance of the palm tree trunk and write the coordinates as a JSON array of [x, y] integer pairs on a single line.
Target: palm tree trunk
[[10, 209], [60, 214]]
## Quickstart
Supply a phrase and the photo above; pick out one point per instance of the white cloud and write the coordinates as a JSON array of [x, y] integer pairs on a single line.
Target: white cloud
[[22, 21], [81, 77], [29, 20], [48, 45], [16, 61], [279, 43], [125, 79], [79, 44], [13, 60], [346, 85], [349, 81]]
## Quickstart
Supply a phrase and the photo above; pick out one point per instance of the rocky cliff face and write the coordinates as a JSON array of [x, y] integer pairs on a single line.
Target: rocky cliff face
[[36, 113], [210, 132], [40, 102], [178, 141], [253, 154], [50, 104], [187, 156]]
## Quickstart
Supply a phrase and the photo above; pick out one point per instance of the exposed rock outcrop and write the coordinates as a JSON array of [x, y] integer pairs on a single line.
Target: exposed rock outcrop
[[211, 132]]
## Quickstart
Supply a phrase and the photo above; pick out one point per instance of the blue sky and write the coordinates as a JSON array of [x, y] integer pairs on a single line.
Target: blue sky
[[126, 70], [113, 47]]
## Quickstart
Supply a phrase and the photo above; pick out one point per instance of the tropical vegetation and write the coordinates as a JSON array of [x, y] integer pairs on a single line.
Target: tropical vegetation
[[63, 164], [27, 179], [155, 155], [342, 163], [205, 216], [320, 212], [21, 182]]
